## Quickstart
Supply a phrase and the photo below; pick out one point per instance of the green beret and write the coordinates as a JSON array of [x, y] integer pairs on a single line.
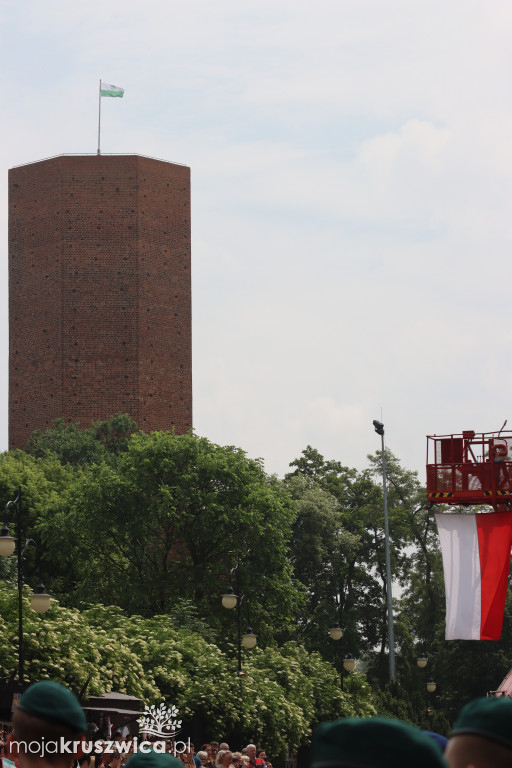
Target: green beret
[[375, 742], [490, 717], [54, 703], [153, 760]]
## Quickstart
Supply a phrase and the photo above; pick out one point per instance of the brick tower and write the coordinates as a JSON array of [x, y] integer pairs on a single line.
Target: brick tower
[[99, 293]]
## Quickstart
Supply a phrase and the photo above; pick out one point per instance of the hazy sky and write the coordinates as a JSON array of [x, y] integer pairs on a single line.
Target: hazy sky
[[351, 196]]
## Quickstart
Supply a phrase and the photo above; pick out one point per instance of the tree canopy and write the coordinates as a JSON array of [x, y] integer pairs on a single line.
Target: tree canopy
[[152, 526], [286, 690], [167, 519]]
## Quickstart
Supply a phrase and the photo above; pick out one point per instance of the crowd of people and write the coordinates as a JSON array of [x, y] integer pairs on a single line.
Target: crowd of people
[[215, 754], [211, 755], [481, 738]]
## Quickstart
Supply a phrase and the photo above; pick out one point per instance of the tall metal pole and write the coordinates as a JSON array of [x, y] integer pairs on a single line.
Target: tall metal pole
[[379, 428], [16, 502], [239, 618], [99, 119], [40, 600], [342, 668]]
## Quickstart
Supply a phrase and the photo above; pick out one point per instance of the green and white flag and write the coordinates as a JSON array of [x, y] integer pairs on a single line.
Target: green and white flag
[[111, 90]]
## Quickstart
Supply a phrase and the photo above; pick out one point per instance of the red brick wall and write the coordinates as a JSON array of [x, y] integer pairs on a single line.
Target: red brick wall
[[100, 293]]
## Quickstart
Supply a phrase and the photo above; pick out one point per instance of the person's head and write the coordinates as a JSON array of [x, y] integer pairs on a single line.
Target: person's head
[[262, 755], [224, 757], [482, 735], [202, 755], [223, 745], [236, 759], [250, 750], [115, 760], [47, 713], [84, 761], [375, 742]]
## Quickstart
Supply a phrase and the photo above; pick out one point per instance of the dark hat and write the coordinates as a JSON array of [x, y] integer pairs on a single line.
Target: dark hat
[[440, 740], [53, 702], [153, 759], [490, 717], [375, 742]]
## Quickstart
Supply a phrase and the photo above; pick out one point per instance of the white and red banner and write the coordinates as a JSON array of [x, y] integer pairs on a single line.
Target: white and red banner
[[476, 563]]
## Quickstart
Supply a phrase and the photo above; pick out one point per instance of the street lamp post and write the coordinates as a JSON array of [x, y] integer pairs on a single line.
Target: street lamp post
[[229, 600], [40, 600], [347, 663], [379, 428], [431, 687], [422, 662], [336, 633]]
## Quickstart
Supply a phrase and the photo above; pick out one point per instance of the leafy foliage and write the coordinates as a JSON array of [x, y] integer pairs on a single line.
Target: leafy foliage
[[285, 693], [152, 526], [340, 525], [80, 447], [170, 517]]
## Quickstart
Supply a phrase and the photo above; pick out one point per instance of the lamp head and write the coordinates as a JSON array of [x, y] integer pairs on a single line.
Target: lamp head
[[6, 542], [40, 600], [249, 639], [229, 599], [379, 427]]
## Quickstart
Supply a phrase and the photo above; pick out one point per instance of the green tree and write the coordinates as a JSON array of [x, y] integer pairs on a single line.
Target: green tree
[[168, 520], [80, 447], [62, 645], [43, 482], [322, 554], [467, 669], [342, 577], [284, 694]]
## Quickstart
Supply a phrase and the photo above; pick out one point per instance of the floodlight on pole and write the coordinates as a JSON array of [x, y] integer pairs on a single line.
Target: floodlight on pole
[[379, 428]]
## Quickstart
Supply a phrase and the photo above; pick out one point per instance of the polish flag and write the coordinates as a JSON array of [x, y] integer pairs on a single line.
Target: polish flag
[[476, 562]]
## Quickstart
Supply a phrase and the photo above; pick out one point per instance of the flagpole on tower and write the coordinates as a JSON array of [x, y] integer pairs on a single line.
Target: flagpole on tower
[[99, 118]]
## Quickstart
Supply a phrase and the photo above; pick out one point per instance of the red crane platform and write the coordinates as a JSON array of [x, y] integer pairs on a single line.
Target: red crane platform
[[470, 468]]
